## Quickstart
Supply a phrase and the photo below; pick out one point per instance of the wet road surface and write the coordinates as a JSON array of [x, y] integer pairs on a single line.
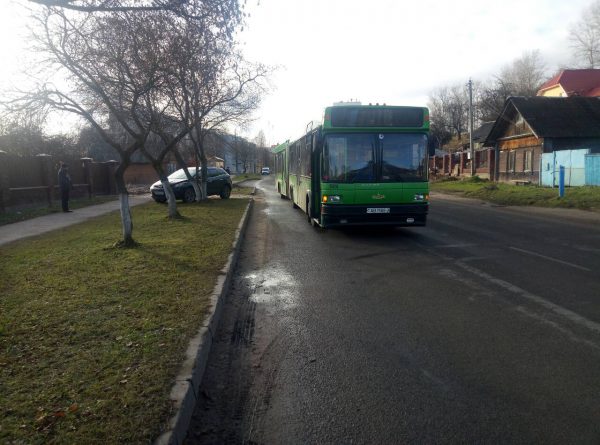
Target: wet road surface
[[483, 327]]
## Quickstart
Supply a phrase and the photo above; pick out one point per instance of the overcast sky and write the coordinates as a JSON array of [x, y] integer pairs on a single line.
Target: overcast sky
[[372, 51], [391, 51]]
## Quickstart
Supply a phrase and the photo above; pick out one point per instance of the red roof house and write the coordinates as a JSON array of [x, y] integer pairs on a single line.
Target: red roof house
[[569, 83]]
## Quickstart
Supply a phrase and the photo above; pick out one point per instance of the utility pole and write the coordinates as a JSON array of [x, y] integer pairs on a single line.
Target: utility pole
[[471, 148]]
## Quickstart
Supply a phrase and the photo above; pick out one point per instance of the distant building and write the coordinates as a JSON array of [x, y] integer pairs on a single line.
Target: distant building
[[530, 128], [480, 135], [569, 83]]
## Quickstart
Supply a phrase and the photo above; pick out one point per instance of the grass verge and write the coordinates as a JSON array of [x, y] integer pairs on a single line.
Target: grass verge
[[242, 190], [246, 177], [91, 337], [584, 198], [12, 216]]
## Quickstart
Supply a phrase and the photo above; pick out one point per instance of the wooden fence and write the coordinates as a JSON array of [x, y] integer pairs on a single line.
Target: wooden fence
[[28, 180], [459, 164]]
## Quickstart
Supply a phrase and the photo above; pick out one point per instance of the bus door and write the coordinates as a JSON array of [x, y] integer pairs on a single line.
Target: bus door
[[307, 168], [286, 169], [315, 176]]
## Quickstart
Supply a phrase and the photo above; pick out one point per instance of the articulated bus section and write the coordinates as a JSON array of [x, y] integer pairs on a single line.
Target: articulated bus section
[[365, 165]]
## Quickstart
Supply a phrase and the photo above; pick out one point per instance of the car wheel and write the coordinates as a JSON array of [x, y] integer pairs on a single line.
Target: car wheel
[[189, 195], [225, 192]]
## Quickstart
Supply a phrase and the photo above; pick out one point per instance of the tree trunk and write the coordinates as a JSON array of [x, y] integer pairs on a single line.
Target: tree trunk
[[197, 191], [204, 173], [171, 202], [199, 148], [193, 180], [126, 221]]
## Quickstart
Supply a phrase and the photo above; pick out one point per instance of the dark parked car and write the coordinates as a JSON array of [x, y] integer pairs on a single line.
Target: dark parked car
[[218, 183]]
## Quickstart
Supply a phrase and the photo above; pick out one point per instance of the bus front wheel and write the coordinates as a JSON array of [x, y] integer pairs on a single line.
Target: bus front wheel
[[309, 212]]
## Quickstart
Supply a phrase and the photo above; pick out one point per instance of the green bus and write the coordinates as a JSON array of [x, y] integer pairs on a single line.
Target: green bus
[[365, 165]]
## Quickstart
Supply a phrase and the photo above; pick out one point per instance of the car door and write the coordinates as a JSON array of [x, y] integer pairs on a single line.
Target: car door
[[212, 182], [221, 179]]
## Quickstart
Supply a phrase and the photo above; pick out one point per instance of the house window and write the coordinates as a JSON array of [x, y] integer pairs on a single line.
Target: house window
[[528, 161], [511, 161]]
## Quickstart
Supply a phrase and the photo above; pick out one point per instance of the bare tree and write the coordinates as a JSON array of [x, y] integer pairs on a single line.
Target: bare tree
[[111, 65], [260, 140], [22, 131], [214, 87], [119, 57], [263, 154], [449, 108], [188, 9], [491, 98], [585, 37], [524, 75]]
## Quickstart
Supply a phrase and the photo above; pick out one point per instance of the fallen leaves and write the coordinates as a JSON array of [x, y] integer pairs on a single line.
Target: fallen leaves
[[46, 420]]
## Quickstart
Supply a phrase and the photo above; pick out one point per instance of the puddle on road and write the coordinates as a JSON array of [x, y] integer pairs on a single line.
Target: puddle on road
[[274, 287]]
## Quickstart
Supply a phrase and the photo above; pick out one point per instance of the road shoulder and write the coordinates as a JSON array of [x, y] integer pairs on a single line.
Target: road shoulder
[[574, 215]]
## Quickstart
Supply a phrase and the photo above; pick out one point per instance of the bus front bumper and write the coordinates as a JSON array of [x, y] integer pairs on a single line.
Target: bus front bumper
[[339, 215]]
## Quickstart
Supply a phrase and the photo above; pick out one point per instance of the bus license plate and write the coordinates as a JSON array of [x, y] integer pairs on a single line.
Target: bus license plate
[[378, 210]]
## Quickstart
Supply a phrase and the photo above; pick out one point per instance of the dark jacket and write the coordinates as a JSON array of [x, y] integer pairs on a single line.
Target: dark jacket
[[64, 179]]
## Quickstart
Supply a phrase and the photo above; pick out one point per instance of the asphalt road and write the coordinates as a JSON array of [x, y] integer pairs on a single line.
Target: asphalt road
[[483, 327]]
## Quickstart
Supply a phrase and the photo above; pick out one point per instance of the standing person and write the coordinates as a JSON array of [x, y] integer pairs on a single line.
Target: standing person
[[64, 182]]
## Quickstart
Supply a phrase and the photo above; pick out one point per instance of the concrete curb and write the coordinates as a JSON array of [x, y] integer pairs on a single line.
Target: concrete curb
[[184, 392]]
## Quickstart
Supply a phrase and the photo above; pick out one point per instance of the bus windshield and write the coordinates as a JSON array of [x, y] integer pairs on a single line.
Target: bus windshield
[[403, 157], [349, 158], [374, 157]]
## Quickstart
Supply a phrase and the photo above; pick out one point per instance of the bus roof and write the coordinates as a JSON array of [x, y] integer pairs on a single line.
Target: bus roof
[[280, 147]]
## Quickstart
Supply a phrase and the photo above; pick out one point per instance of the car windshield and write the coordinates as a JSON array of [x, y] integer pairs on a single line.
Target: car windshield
[[180, 175]]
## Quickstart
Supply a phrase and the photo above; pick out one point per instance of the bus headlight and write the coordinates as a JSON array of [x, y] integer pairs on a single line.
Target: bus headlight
[[331, 198], [421, 196]]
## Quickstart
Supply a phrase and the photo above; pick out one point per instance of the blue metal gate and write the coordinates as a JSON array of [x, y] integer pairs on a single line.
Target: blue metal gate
[[592, 169], [574, 162]]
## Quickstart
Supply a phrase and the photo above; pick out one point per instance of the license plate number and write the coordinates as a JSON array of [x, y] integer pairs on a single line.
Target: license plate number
[[159, 192], [378, 210]]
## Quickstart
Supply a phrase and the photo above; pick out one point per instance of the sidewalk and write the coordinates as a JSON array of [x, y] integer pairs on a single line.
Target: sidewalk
[[37, 226]]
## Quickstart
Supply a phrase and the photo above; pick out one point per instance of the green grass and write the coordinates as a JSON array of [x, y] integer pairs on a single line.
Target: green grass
[[242, 190], [91, 336], [246, 177], [12, 216], [584, 198]]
